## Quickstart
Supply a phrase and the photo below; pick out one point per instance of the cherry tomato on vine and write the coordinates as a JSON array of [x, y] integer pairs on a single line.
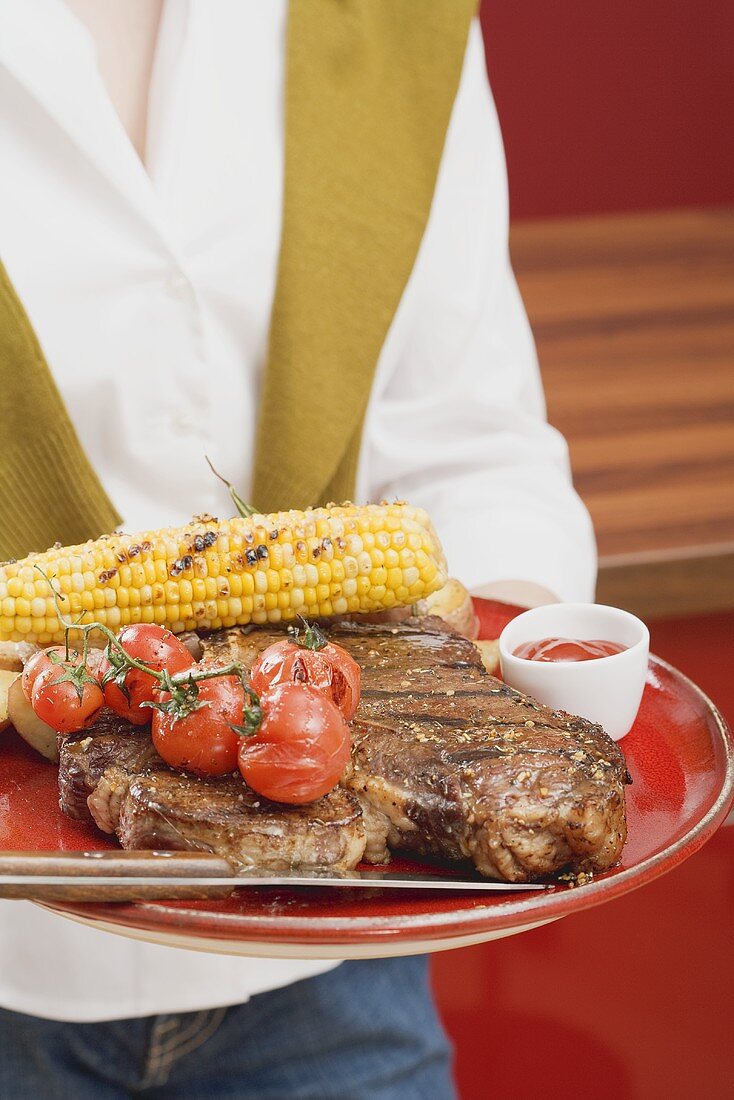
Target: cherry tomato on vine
[[39, 662], [52, 658], [300, 750], [203, 742], [66, 696], [321, 664], [155, 646]]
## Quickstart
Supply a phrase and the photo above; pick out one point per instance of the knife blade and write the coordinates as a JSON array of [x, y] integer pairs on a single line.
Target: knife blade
[[356, 879]]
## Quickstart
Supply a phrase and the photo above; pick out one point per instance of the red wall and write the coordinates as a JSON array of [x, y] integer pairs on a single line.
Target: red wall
[[613, 106]]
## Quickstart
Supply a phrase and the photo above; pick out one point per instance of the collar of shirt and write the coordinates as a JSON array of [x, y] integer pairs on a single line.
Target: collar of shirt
[[46, 47]]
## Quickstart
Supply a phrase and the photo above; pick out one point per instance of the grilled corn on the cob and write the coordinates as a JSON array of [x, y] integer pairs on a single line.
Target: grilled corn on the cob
[[210, 574]]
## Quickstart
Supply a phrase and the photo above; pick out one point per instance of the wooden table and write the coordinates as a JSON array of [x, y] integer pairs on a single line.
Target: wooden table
[[634, 322]]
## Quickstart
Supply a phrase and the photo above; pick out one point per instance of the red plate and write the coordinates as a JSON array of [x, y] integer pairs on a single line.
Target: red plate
[[679, 754]]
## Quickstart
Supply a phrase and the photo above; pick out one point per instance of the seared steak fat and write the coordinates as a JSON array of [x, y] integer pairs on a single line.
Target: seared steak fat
[[113, 774], [85, 757], [446, 761], [167, 810]]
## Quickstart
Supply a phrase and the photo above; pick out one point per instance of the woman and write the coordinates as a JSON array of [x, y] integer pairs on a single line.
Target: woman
[[275, 234]]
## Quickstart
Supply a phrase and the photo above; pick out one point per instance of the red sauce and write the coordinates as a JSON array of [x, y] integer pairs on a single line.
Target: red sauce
[[567, 649]]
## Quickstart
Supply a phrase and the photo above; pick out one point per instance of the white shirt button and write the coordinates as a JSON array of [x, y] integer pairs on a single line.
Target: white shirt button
[[178, 285], [182, 424]]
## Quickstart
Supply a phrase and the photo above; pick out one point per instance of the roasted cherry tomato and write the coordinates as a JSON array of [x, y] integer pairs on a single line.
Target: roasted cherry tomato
[[51, 658], [66, 696], [154, 646], [316, 662], [203, 742], [301, 748], [39, 662]]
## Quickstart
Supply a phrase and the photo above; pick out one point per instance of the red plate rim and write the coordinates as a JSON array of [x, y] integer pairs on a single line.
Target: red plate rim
[[517, 913]]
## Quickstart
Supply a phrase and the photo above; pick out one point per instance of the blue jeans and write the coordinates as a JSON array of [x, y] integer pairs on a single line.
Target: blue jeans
[[367, 1030]]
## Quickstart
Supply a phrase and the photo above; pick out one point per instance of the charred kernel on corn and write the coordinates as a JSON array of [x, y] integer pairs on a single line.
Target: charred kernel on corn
[[209, 574]]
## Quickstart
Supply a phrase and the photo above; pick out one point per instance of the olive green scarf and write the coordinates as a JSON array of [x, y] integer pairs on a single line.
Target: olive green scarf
[[369, 89]]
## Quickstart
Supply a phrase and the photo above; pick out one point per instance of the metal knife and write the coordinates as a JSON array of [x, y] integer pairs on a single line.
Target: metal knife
[[137, 876]]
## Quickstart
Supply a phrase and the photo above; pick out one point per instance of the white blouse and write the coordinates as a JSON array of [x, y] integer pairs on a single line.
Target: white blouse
[[150, 291]]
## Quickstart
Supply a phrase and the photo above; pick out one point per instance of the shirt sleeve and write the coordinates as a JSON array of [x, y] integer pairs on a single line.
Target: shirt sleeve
[[456, 421]]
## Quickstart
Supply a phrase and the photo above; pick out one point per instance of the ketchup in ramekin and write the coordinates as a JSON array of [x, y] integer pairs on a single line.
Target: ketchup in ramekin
[[567, 649], [579, 680]]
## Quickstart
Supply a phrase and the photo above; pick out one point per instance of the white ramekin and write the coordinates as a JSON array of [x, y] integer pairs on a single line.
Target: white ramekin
[[607, 690]]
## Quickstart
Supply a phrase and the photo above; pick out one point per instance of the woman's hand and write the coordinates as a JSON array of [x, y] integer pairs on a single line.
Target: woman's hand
[[520, 593]]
